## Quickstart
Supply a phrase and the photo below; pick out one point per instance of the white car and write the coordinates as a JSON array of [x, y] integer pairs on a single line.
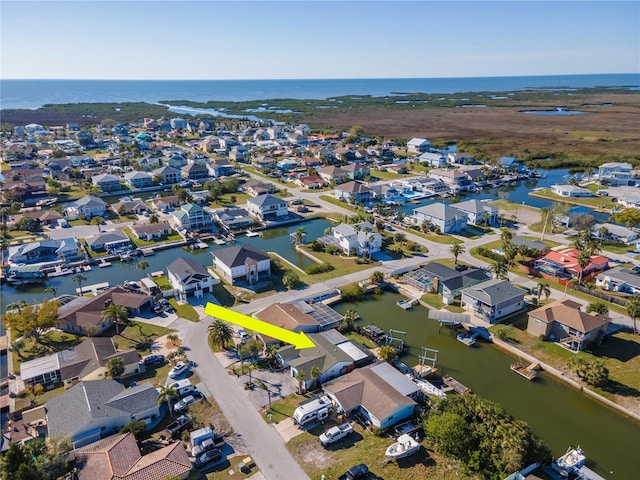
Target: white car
[[178, 369], [183, 404], [335, 433], [244, 336]]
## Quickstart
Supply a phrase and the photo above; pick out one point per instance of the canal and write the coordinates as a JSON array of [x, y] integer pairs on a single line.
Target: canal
[[561, 415]]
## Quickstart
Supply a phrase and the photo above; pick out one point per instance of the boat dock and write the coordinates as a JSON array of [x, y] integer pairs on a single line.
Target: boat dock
[[147, 252], [529, 372], [466, 339], [104, 264], [454, 385], [406, 304], [430, 389], [93, 289], [585, 473]]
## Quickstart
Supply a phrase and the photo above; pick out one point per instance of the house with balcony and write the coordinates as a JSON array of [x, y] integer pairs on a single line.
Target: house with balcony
[[358, 238], [493, 300], [447, 218], [107, 182], [190, 217], [433, 159], [456, 180], [221, 168], [190, 279], [242, 264], [267, 207], [356, 171], [167, 175], [89, 206], [234, 218], [564, 322], [460, 158], [194, 171], [138, 179], [418, 145], [616, 174], [511, 164], [478, 212], [354, 193], [110, 241], [61, 251], [333, 174]]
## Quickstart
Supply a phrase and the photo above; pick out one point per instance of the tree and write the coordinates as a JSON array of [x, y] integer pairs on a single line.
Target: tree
[[18, 464], [298, 236], [79, 278], [377, 277], [219, 333], [291, 280], [91, 330], [400, 238], [348, 321], [633, 310], [628, 216], [506, 235], [142, 265], [598, 307], [33, 320], [543, 288], [136, 427], [19, 305], [117, 314], [315, 375], [52, 290], [154, 218], [300, 377], [387, 353], [596, 373], [167, 394], [173, 338], [499, 269], [115, 367], [456, 249], [584, 259], [450, 433]]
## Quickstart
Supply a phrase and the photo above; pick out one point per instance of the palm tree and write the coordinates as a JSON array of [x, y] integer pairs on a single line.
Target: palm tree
[[52, 290], [300, 377], [142, 265], [315, 374], [543, 288], [173, 338], [219, 333], [602, 232], [584, 259], [456, 249], [387, 353], [506, 235], [79, 278], [272, 355], [499, 269], [598, 307], [633, 310], [19, 305], [166, 394], [116, 314], [154, 218], [298, 236]]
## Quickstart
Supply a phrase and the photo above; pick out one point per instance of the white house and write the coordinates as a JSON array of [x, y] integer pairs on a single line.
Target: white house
[[107, 182], [242, 263], [625, 280], [89, 206], [418, 145], [190, 217], [189, 278], [138, 179], [433, 159], [445, 217], [478, 212], [493, 300], [571, 191], [614, 232], [616, 173], [455, 179], [359, 238], [267, 207]]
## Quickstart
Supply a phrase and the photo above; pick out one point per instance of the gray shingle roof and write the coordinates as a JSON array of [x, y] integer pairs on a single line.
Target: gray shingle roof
[[440, 211], [237, 255], [186, 267], [494, 291], [266, 200]]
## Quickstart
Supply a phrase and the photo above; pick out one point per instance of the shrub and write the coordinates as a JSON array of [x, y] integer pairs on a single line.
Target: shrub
[[353, 294], [320, 268]]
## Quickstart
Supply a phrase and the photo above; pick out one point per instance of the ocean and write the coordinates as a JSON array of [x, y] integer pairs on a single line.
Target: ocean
[[32, 94]]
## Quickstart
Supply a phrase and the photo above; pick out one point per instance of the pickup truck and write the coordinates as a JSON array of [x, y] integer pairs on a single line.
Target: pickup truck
[[182, 422], [335, 433], [356, 472]]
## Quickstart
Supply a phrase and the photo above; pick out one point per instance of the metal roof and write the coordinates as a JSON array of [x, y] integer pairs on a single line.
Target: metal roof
[[39, 366], [393, 377], [350, 349]]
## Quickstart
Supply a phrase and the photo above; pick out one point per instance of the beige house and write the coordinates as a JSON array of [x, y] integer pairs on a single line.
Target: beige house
[[564, 322]]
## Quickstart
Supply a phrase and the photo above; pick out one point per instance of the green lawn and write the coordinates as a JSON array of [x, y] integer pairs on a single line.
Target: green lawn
[[185, 310], [225, 200], [601, 202], [284, 408], [51, 342], [384, 175], [335, 201], [140, 334], [342, 266], [621, 248], [163, 282], [360, 339], [434, 300], [511, 206]]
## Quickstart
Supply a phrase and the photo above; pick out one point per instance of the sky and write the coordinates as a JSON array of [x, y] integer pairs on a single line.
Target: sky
[[167, 40]]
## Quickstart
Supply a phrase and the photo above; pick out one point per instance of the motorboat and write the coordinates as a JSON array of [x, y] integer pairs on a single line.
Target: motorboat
[[404, 446], [570, 462]]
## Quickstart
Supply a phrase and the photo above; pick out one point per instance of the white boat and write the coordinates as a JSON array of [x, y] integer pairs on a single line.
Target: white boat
[[430, 389], [405, 304], [570, 462], [251, 233], [405, 445], [466, 339]]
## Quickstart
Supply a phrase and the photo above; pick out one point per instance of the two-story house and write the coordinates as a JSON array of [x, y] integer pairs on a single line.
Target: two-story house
[[493, 300], [354, 192], [455, 179], [445, 217], [190, 279], [358, 238], [190, 217], [107, 182], [138, 179], [478, 212], [242, 263], [616, 173], [267, 207], [194, 171], [167, 175], [89, 206]]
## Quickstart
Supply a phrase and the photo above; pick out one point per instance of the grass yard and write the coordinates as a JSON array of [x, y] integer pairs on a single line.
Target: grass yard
[[163, 282], [337, 202], [342, 266], [384, 175], [620, 249], [231, 464], [284, 408], [44, 397], [140, 334], [600, 202], [51, 342], [434, 300], [511, 206], [185, 310], [360, 339], [225, 200]]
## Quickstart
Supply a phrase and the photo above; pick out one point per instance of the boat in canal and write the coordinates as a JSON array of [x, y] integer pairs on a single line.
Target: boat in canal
[[405, 304], [569, 463], [404, 446], [468, 340]]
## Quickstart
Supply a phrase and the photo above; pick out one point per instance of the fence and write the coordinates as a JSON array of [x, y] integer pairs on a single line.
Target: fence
[[609, 298]]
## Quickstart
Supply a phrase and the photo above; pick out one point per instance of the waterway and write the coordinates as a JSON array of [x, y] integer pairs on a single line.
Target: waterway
[[561, 415]]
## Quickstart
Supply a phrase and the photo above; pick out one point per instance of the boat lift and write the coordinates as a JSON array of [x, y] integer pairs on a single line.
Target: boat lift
[[423, 357], [397, 342]]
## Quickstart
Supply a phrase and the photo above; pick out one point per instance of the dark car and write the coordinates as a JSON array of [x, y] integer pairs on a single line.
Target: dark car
[[357, 472], [207, 458], [461, 268], [154, 360]]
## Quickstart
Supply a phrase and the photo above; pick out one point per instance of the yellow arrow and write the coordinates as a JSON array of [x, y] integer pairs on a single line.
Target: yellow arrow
[[299, 340]]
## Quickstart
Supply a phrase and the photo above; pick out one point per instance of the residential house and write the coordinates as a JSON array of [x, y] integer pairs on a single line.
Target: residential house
[[380, 392], [44, 218], [86, 361], [221, 168], [616, 233], [189, 278], [164, 204], [66, 250], [627, 197], [242, 263], [438, 278], [151, 231], [564, 322], [533, 245], [178, 123], [194, 171], [344, 154], [267, 207], [150, 162], [109, 241], [210, 144], [455, 179], [24, 189], [239, 153], [138, 179], [89, 206], [311, 162], [616, 173], [356, 171], [511, 164], [433, 159], [354, 192], [176, 161], [190, 217], [118, 458], [333, 354], [107, 182], [287, 164], [93, 410], [447, 218], [310, 182], [571, 191], [126, 207], [478, 212], [332, 174], [297, 139], [357, 238], [399, 168], [388, 192], [233, 218], [418, 145], [256, 188], [493, 300], [460, 159], [564, 264], [82, 311], [619, 279]]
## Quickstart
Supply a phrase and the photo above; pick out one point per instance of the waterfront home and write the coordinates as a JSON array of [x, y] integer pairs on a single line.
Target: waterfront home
[[387, 192], [627, 197], [233, 218], [460, 159], [109, 241], [359, 239], [418, 145], [167, 175], [438, 278], [456, 180], [383, 394], [354, 193], [61, 251], [310, 182], [89, 206], [194, 171], [190, 279], [493, 300], [615, 174], [571, 191], [445, 217], [93, 410], [151, 231], [333, 174], [619, 279], [138, 179], [221, 168], [267, 207], [433, 159], [44, 218], [107, 182], [242, 264], [333, 354], [190, 217], [356, 171], [616, 233], [511, 164], [23, 188], [564, 322], [118, 458], [564, 264], [86, 361], [165, 204], [478, 212], [126, 207]]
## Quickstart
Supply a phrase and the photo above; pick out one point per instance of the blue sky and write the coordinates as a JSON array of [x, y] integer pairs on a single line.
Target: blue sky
[[312, 39]]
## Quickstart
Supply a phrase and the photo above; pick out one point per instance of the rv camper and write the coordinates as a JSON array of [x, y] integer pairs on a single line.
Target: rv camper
[[314, 410]]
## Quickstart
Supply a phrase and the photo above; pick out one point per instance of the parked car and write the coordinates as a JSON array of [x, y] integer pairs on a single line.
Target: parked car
[[178, 369], [208, 457], [335, 433], [461, 268], [183, 404], [180, 423], [209, 444], [244, 336], [356, 472], [153, 360]]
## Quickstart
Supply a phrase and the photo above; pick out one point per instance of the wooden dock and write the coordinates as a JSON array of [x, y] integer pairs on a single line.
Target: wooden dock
[[455, 385], [527, 372]]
